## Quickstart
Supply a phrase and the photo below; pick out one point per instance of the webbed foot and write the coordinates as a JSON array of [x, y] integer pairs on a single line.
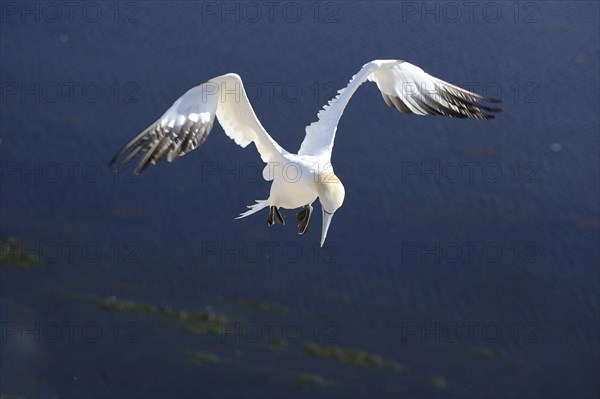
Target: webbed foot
[[303, 217], [275, 216]]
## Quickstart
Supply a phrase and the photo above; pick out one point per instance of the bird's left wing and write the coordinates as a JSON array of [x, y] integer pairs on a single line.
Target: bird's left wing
[[186, 125], [404, 86]]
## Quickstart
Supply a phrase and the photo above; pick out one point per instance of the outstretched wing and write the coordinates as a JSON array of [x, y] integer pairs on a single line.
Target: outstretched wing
[[188, 122], [404, 86]]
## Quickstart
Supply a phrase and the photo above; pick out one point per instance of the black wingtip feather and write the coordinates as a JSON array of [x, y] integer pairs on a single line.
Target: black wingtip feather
[[160, 142]]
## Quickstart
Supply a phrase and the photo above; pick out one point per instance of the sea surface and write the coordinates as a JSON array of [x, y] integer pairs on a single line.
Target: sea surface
[[463, 263]]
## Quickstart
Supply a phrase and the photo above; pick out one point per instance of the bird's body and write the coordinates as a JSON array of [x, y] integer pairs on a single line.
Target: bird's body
[[297, 179], [294, 182]]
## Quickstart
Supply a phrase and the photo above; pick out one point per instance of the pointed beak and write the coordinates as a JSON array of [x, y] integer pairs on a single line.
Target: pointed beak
[[326, 222]]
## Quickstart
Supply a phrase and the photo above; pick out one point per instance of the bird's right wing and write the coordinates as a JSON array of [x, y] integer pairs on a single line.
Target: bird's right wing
[[186, 125]]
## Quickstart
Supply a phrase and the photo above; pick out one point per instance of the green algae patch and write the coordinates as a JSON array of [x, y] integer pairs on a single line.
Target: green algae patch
[[14, 252], [78, 296], [185, 316], [307, 379], [486, 353], [111, 303], [197, 323], [199, 357], [351, 356], [259, 306], [394, 366], [114, 304], [278, 344], [438, 382], [192, 322]]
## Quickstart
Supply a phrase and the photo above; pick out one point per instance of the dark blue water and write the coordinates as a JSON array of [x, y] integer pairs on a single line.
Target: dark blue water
[[466, 251]]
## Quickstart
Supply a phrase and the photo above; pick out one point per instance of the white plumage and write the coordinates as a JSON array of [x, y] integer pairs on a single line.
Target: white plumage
[[187, 123]]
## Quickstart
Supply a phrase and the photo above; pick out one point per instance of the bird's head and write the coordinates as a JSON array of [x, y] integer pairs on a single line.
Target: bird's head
[[331, 195]]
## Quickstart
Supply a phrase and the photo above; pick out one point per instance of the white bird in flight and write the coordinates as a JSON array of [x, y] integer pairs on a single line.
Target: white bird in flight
[[298, 179]]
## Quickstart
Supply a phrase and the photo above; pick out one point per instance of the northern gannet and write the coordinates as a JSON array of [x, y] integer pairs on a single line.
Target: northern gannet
[[298, 179]]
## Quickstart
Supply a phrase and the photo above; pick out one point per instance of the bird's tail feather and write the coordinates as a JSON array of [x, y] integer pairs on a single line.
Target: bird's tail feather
[[260, 204]]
